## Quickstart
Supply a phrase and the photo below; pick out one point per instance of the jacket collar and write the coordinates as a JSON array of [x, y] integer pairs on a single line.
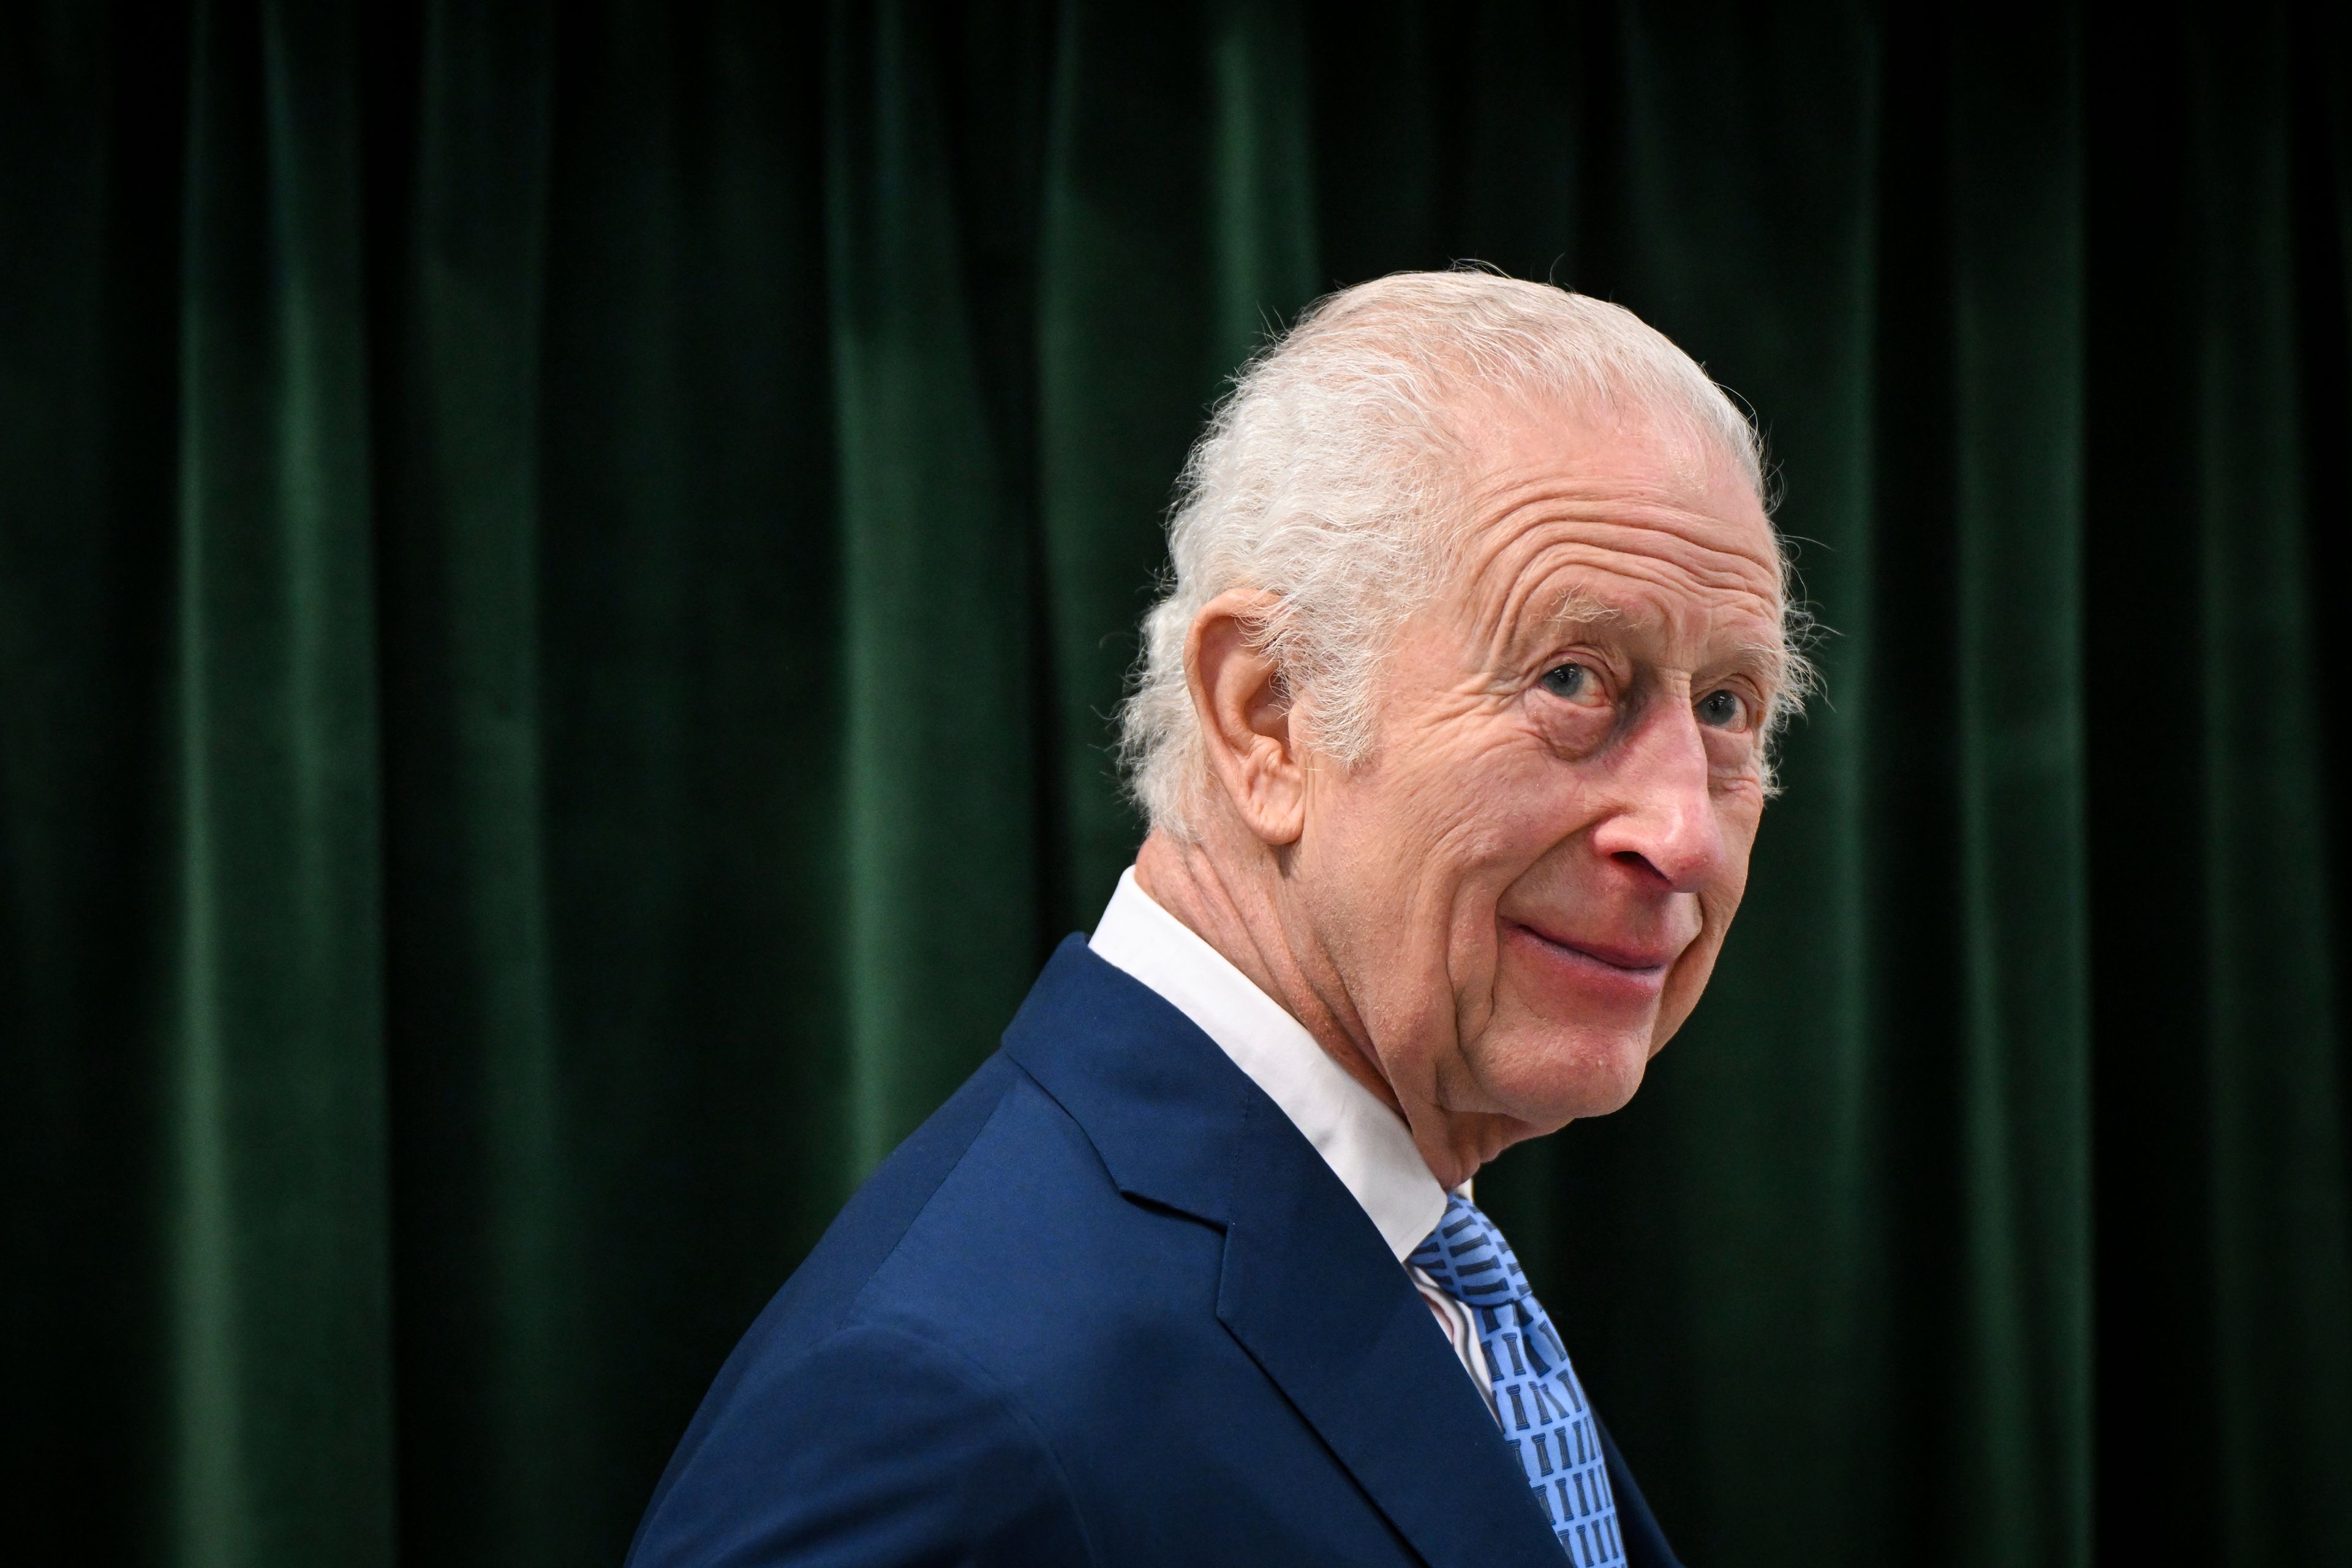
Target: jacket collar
[[1365, 1143], [1310, 1290]]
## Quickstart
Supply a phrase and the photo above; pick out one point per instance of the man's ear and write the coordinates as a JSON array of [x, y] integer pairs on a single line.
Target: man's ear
[[1245, 709]]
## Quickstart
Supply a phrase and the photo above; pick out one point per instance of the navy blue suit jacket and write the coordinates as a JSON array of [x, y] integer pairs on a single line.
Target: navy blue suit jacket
[[1108, 1305]]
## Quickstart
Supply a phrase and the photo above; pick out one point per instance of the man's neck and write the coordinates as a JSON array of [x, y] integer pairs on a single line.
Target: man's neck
[[1237, 913], [1233, 902]]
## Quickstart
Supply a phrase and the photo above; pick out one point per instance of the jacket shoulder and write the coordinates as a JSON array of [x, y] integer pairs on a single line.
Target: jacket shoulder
[[872, 1446]]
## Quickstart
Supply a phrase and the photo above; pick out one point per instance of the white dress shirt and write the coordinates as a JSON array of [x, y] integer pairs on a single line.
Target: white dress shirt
[[1365, 1143]]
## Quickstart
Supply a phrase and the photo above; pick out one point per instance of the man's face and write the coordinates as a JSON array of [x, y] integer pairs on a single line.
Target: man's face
[[1524, 887]]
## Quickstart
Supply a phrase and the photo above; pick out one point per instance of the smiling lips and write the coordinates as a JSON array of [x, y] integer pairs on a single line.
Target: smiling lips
[[1608, 962]]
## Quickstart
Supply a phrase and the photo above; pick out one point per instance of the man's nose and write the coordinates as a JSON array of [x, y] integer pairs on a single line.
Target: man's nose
[[1665, 827]]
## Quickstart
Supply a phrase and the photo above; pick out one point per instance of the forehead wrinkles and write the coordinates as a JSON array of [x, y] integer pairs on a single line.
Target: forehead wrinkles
[[1531, 568]]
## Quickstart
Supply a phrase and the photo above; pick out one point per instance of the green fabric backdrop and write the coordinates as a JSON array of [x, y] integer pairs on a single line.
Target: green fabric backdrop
[[561, 572]]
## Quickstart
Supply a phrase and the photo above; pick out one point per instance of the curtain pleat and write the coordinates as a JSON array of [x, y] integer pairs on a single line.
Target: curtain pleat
[[564, 572], [2275, 1131], [2020, 1489], [280, 1399], [937, 570], [483, 1223]]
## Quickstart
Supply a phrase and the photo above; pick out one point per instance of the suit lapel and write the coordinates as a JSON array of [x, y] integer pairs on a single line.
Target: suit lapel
[[1310, 1290], [1315, 1296]]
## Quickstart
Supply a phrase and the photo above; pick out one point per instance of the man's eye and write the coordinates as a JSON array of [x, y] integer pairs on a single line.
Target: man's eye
[[1720, 709], [1572, 682]]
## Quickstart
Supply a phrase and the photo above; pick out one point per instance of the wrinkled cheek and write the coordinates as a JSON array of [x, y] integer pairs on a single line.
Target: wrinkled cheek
[[1474, 975], [1686, 984], [1720, 903]]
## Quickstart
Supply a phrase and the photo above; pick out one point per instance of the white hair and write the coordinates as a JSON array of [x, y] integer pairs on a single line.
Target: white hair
[[1331, 479]]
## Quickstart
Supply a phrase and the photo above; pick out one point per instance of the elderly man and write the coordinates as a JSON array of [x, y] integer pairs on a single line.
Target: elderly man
[[1453, 730]]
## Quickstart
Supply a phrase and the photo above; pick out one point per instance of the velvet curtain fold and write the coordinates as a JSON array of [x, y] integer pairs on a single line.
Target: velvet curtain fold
[[562, 573]]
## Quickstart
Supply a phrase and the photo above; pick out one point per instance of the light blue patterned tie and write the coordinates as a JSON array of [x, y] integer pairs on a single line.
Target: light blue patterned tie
[[1536, 1394]]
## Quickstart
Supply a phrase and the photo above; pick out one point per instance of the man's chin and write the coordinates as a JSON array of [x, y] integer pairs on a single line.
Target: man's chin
[[1551, 1078]]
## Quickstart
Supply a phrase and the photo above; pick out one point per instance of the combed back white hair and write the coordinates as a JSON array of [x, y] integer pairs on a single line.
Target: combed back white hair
[[1332, 479]]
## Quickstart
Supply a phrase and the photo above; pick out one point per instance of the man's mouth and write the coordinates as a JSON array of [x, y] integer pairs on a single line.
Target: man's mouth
[[1632, 961]]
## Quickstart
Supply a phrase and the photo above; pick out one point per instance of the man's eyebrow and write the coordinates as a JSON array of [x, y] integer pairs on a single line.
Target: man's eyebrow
[[1770, 660], [1576, 610], [1577, 607]]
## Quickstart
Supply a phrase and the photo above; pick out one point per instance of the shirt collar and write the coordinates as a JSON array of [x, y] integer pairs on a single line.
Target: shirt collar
[[1366, 1144]]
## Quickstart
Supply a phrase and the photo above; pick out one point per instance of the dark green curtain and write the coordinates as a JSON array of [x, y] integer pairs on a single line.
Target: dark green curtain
[[561, 569]]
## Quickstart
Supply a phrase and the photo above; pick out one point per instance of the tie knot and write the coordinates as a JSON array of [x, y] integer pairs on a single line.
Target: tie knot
[[1468, 1258]]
